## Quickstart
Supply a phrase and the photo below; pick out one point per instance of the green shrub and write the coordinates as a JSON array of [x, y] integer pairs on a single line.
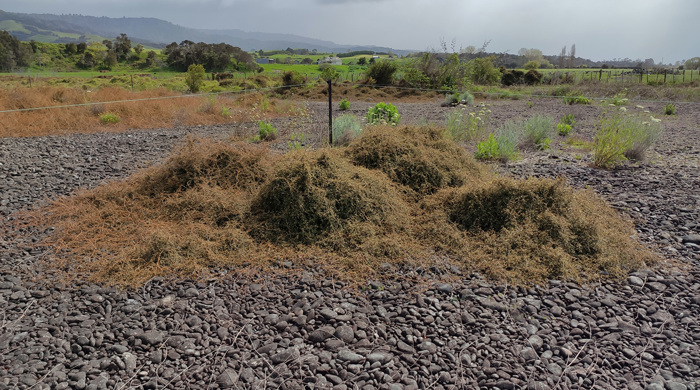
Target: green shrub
[[508, 136], [487, 149], [383, 113], [537, 131], [459, 98], [195, 77], [576, 98], [329, 73], [291, 78], [568, 119], [563, 129], [296, 141], [266, 131], [502, 144], [532, 77], [669, 109], [109, 118], [620, 137], [382, 72], [345, 129], [619, 99], [482, 71], [463, 126], [344, 105]]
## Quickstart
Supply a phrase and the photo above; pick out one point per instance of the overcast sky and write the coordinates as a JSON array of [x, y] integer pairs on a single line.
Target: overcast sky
[[601, 29]]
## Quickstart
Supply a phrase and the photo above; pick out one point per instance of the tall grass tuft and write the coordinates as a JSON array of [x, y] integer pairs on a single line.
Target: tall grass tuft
[[537, 130], [345, 129], [620, 137], [463, 126]]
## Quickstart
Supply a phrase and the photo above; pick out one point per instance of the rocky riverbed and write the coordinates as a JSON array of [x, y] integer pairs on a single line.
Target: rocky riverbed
[[306, 331]]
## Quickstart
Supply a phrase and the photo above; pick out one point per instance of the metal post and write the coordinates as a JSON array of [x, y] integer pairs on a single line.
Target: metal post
[[330, 113]]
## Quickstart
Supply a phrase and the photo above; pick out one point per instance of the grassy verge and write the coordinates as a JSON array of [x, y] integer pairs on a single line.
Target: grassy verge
[[158, 108]]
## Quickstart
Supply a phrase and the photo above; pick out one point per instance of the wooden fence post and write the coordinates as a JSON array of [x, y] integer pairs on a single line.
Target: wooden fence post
[[330, 113]]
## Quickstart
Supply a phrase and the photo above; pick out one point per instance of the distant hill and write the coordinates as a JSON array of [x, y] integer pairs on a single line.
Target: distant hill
[[156, 32]]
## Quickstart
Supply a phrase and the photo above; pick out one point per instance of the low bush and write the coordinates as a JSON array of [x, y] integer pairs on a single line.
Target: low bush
[[195, 77], [382, 72], [345, 129], [669, 109], [568, 119], [383, 114], [266, 131], [532, 77], [109, 118], [459, 98], [344, 105], [501, 145], [563, 129], [537, 130], [576, 98], [292, 78], [619, 99]]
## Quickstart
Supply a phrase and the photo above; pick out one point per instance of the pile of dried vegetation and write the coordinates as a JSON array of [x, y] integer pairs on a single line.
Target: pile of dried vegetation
[[398, 196]]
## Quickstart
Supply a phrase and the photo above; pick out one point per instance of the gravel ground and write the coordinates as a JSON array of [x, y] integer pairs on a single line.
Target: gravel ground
[[309, 332]]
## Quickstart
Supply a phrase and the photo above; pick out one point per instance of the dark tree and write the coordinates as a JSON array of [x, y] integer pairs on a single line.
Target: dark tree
[[81, 47], [71, 48], [122, 46], [150, 58], [13, 53], [87, 61], [362, 61]]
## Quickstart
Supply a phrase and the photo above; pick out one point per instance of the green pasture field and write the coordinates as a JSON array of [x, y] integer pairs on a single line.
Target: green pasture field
[[610, 75]]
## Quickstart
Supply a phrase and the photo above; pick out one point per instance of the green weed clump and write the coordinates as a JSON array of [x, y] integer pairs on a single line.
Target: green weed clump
[[109, 118], [419, 158], [266, 131], [344, 105], [501, 145], [669, 109], [576, 98], [620, 137], [345, 129], [383, 114], [568, 119]]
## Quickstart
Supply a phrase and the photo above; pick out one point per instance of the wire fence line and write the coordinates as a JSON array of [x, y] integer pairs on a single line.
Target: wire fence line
[[265, 89]]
